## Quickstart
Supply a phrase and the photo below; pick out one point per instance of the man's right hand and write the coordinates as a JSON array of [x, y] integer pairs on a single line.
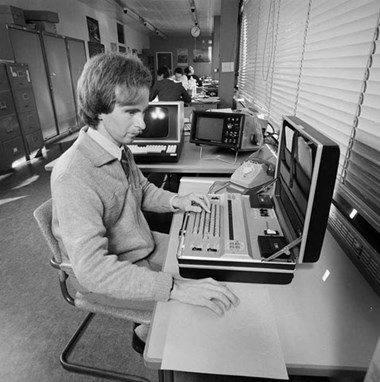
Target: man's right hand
[[209, 293]]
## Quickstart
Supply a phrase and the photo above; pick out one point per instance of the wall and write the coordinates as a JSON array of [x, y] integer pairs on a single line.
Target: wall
[[73, 23], [172, 44]]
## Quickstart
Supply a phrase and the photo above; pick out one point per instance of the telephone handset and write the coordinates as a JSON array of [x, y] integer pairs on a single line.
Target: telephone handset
[[253, 172]]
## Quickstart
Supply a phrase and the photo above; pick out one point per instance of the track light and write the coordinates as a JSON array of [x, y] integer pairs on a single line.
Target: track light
[[146, 23]]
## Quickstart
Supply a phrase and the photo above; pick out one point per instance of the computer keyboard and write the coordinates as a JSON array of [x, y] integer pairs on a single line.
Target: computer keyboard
[[153, 149], [155, 153]]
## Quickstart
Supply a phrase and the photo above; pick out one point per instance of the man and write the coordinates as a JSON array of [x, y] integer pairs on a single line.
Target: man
[[167, 90], [189, 72], [180, 78], [98, 199]]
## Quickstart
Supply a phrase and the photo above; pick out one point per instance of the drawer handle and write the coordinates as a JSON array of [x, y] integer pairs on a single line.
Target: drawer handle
[[3, 106]]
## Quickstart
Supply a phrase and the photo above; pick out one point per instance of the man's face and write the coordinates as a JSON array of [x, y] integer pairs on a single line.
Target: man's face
[[126, 121], [178, 76]]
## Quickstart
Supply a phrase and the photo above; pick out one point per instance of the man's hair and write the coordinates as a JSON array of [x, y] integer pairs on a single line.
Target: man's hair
[[102, 75], [187, 70], [163, 71], [178, 70]]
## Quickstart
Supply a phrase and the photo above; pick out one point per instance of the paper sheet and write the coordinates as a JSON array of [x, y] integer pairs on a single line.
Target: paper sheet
[[243, 342]]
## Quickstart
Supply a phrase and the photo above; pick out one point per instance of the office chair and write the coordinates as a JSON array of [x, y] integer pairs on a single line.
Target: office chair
[[43, 215]]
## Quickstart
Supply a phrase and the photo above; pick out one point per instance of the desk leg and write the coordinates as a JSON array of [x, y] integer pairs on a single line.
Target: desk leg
[[165, 376]]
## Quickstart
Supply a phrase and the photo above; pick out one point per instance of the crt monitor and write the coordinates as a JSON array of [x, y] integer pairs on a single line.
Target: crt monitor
[[306, 171], [163, 124]]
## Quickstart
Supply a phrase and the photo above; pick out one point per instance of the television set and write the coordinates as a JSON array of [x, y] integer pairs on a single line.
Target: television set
[[235, 130], [164, 123]]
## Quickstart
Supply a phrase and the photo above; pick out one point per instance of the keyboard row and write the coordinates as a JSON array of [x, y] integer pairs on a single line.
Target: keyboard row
[[153, 149]]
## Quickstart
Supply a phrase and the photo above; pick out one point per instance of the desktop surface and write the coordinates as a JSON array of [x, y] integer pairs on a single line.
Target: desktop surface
[[328, 317], [216, 161]]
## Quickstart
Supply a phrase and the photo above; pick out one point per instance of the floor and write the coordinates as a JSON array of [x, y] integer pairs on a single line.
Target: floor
[[35, 321]]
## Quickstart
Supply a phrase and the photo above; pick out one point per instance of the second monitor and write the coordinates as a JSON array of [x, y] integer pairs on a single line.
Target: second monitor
[[162, 138], [238, 131]]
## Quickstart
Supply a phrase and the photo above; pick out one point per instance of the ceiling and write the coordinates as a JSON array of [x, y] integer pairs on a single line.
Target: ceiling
[[173, 17]]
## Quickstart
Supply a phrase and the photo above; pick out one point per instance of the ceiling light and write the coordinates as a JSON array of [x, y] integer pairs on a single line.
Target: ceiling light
[[137, 17]]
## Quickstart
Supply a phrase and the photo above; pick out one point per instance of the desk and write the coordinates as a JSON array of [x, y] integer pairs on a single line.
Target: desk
[[191, 163], [327, 328], [205, 103]]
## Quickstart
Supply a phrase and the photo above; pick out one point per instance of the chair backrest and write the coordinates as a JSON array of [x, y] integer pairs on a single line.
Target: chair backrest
[[43, 215]]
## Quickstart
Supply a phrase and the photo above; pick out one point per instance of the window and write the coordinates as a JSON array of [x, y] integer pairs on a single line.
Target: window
[[317, 59]]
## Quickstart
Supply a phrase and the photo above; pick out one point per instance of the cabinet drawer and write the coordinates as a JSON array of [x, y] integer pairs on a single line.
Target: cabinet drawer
[[6, 103], [19, 76], [9, 127], [4, 85], [34, 141], [24, 100], [10, 151], [29, 121]]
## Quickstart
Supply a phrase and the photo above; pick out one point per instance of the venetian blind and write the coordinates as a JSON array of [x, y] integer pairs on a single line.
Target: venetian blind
[[288, 58], [338, 42], [257, 52], [360, 181], [326, 70]]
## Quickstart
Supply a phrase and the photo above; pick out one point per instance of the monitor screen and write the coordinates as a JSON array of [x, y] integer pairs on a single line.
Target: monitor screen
[[163, 123], [210, 129]]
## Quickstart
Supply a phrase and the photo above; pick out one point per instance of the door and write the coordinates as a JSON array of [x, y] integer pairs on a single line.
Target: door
[[60, 81], [77, 58]]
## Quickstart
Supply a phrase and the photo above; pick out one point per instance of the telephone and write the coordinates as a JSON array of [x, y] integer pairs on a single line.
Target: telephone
[[253, 172]]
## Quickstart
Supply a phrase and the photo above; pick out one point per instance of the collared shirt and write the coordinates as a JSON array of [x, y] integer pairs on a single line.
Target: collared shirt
[[107, 145], [115, 151]]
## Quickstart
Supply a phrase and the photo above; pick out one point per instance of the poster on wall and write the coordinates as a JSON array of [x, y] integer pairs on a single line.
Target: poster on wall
[[164, 59], [182, 56], [94, 48], [201, 55], [93, 30]]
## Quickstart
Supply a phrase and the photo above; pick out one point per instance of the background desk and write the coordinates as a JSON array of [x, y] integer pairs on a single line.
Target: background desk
[[190, 161], [327, 328]]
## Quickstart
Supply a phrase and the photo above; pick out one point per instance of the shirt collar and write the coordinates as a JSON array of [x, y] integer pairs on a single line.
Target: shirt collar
[[104, 142]]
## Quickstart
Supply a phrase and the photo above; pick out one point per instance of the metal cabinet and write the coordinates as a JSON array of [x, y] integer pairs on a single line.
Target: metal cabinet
[[20, 129]]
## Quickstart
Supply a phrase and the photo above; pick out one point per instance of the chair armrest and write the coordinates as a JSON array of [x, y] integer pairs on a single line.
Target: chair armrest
[[63, 269]]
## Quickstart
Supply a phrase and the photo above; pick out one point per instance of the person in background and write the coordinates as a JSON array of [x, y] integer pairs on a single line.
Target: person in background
[[99, 194], [189, 72], [180, 77], [167, 90]]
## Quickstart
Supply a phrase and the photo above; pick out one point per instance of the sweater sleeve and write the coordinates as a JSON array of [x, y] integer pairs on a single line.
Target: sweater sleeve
[[78, 224], [155, 199]]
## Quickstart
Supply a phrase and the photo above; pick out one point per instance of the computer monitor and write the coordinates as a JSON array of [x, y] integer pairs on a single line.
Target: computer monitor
[[306, 171], [164, 123]]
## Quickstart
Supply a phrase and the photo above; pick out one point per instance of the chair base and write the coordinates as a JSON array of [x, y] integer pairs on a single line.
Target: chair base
[[88, 370]]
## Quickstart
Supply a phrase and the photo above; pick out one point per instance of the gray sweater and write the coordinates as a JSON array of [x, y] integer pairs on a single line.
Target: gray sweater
[[99, 224]]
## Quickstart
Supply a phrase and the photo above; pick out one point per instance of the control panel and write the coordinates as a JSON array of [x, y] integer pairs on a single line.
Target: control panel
[[231, 130]]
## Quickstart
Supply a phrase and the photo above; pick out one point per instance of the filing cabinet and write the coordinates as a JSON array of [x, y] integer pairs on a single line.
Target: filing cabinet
[[20, 130]]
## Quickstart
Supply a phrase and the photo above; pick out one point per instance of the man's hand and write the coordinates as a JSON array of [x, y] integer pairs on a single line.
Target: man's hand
[[205, 292], [192, 202]]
